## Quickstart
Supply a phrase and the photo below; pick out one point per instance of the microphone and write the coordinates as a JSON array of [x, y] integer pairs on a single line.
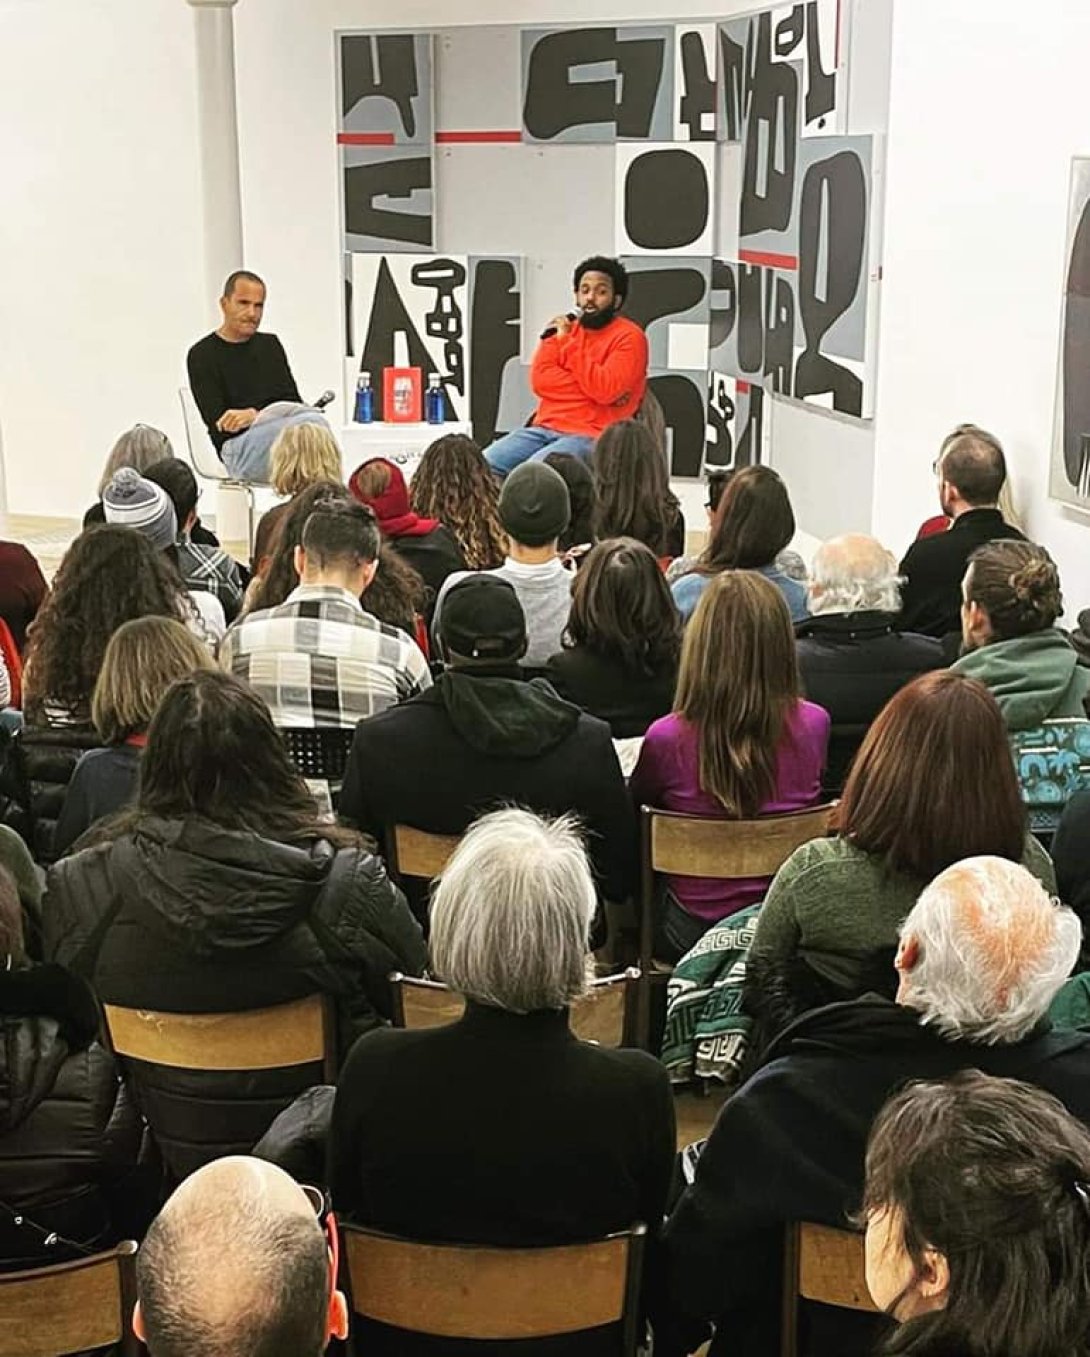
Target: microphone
[[324, 399], [550, 330]]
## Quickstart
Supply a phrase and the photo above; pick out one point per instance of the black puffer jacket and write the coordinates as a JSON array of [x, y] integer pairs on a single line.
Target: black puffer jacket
[[69, 1134], [39, 764], [187, 917]]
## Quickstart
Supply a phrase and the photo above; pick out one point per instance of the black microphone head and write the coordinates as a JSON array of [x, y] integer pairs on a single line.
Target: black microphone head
[[325, 399]]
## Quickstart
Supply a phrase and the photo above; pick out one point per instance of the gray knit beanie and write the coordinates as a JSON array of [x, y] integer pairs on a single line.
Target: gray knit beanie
[[133, 502]]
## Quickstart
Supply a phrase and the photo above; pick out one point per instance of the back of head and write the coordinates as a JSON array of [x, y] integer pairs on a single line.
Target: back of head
[[138, 447], [854, 573], [993, 1175], [984, 951], [380, 486], [933, 781], [753, 523], [511, 915], [340, 536], [302, 454], [1018, 586], [396, 595], [132, 501], [972, 461], [281, 578], [177, 479], [631, 477], [481, 624], [108, 575], [622, 608], [214, 752], [738, 682], [582, 499], [535, 506], [142, 659], [235, 1265], [454, 484]]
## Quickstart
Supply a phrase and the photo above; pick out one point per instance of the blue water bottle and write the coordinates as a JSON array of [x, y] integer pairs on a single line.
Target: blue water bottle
[[435, 401], [365, 399]]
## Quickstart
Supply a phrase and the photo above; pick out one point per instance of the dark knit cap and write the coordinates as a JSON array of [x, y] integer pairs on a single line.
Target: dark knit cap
[[482, 619], [534, 504]]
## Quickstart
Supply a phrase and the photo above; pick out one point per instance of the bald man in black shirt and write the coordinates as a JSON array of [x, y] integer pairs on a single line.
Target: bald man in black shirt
[[242, 383]]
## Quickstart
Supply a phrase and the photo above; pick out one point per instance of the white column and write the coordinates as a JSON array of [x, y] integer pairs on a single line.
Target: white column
[[215, 38]]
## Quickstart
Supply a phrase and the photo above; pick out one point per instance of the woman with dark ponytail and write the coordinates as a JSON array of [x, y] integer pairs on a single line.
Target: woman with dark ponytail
[[1010, 602], [977, 1209]]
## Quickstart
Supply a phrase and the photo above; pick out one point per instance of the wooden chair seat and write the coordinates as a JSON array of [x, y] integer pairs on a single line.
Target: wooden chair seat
[[70, 1307], [825, 1265], [478, 1293]]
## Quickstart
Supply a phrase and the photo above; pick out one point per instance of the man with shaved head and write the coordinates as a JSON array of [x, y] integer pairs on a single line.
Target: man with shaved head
[[971, 470], [237, 1265], [852, 658], [982, 954]]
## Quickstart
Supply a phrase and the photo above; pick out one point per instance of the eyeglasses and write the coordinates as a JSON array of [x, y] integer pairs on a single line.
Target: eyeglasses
[[320, 1200]]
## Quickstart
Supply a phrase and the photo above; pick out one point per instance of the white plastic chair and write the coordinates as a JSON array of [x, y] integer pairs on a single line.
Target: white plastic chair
[[207, 465]]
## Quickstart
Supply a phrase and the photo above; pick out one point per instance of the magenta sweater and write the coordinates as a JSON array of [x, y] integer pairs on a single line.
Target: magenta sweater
[[667, 776]]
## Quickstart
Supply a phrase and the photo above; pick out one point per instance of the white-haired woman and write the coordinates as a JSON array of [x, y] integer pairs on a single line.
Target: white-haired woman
[[504, 1128]]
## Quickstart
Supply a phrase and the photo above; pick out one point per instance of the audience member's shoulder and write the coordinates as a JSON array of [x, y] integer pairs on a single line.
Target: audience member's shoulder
[[813, 715]]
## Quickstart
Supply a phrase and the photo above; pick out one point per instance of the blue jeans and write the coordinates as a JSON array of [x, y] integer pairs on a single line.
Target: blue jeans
[[246, 456], [534, 442]]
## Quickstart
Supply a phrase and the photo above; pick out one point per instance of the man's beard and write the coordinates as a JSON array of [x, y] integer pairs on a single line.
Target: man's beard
[[597, 320]]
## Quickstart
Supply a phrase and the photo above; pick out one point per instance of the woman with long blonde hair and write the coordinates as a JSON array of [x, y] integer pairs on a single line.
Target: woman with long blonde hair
[[740, 741]]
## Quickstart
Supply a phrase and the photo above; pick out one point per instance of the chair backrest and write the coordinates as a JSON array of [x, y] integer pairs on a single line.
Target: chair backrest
[[202, 453], [415, 852], [1053, 763], [479, 1293], [70, 1307], [685, 845], [320, 751], [296, 1033], [606, 1016], [825, 1265]]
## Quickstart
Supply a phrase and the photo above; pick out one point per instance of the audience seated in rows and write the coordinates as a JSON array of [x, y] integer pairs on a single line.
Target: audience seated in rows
[[632, 480], [423, 543], [201, 567], [221, 890], [318, 659], [70, 1134], [132, 501], [971, 470], [852, 659], [301, 456], [622, 643], [142, 660], [976, 1199], [238, 1262], [753, 524], [484, 736], [982, 953], [454, 485], [740, 741], [933, 784], [503, 1128], [534, 508], [580, 534]]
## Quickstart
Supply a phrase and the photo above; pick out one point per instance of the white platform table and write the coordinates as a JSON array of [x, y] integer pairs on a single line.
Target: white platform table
[[403, 444]]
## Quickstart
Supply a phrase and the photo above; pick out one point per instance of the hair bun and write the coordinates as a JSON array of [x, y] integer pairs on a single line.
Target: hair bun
[[1035, 583]]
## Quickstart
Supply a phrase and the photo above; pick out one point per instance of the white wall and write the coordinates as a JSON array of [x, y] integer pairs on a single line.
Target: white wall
[[988, 106], [101, 255]]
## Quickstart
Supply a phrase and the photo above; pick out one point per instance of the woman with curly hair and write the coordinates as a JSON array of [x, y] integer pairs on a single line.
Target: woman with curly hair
[[454, 484], [108, 576], [633, 484], [397, 595]]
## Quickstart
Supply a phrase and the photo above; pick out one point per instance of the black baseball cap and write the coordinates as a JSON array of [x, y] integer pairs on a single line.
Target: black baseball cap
[[482, 619]]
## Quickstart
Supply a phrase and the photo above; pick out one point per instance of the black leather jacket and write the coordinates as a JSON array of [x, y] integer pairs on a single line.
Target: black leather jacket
[[185, 916]]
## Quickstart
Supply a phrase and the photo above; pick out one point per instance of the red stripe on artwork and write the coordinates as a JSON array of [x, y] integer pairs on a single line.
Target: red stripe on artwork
[[477, 138], [365, 138], [768, 260]]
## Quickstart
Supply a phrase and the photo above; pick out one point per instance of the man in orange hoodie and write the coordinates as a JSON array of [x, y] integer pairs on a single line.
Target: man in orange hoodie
[[589, 370]]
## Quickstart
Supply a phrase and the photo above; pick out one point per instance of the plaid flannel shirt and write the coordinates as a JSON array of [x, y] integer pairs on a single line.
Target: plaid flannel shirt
[[319, 660], [212, 570]]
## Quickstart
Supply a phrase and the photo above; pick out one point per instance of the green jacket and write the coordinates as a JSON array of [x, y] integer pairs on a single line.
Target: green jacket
[[1033, 678], [833, 906]]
